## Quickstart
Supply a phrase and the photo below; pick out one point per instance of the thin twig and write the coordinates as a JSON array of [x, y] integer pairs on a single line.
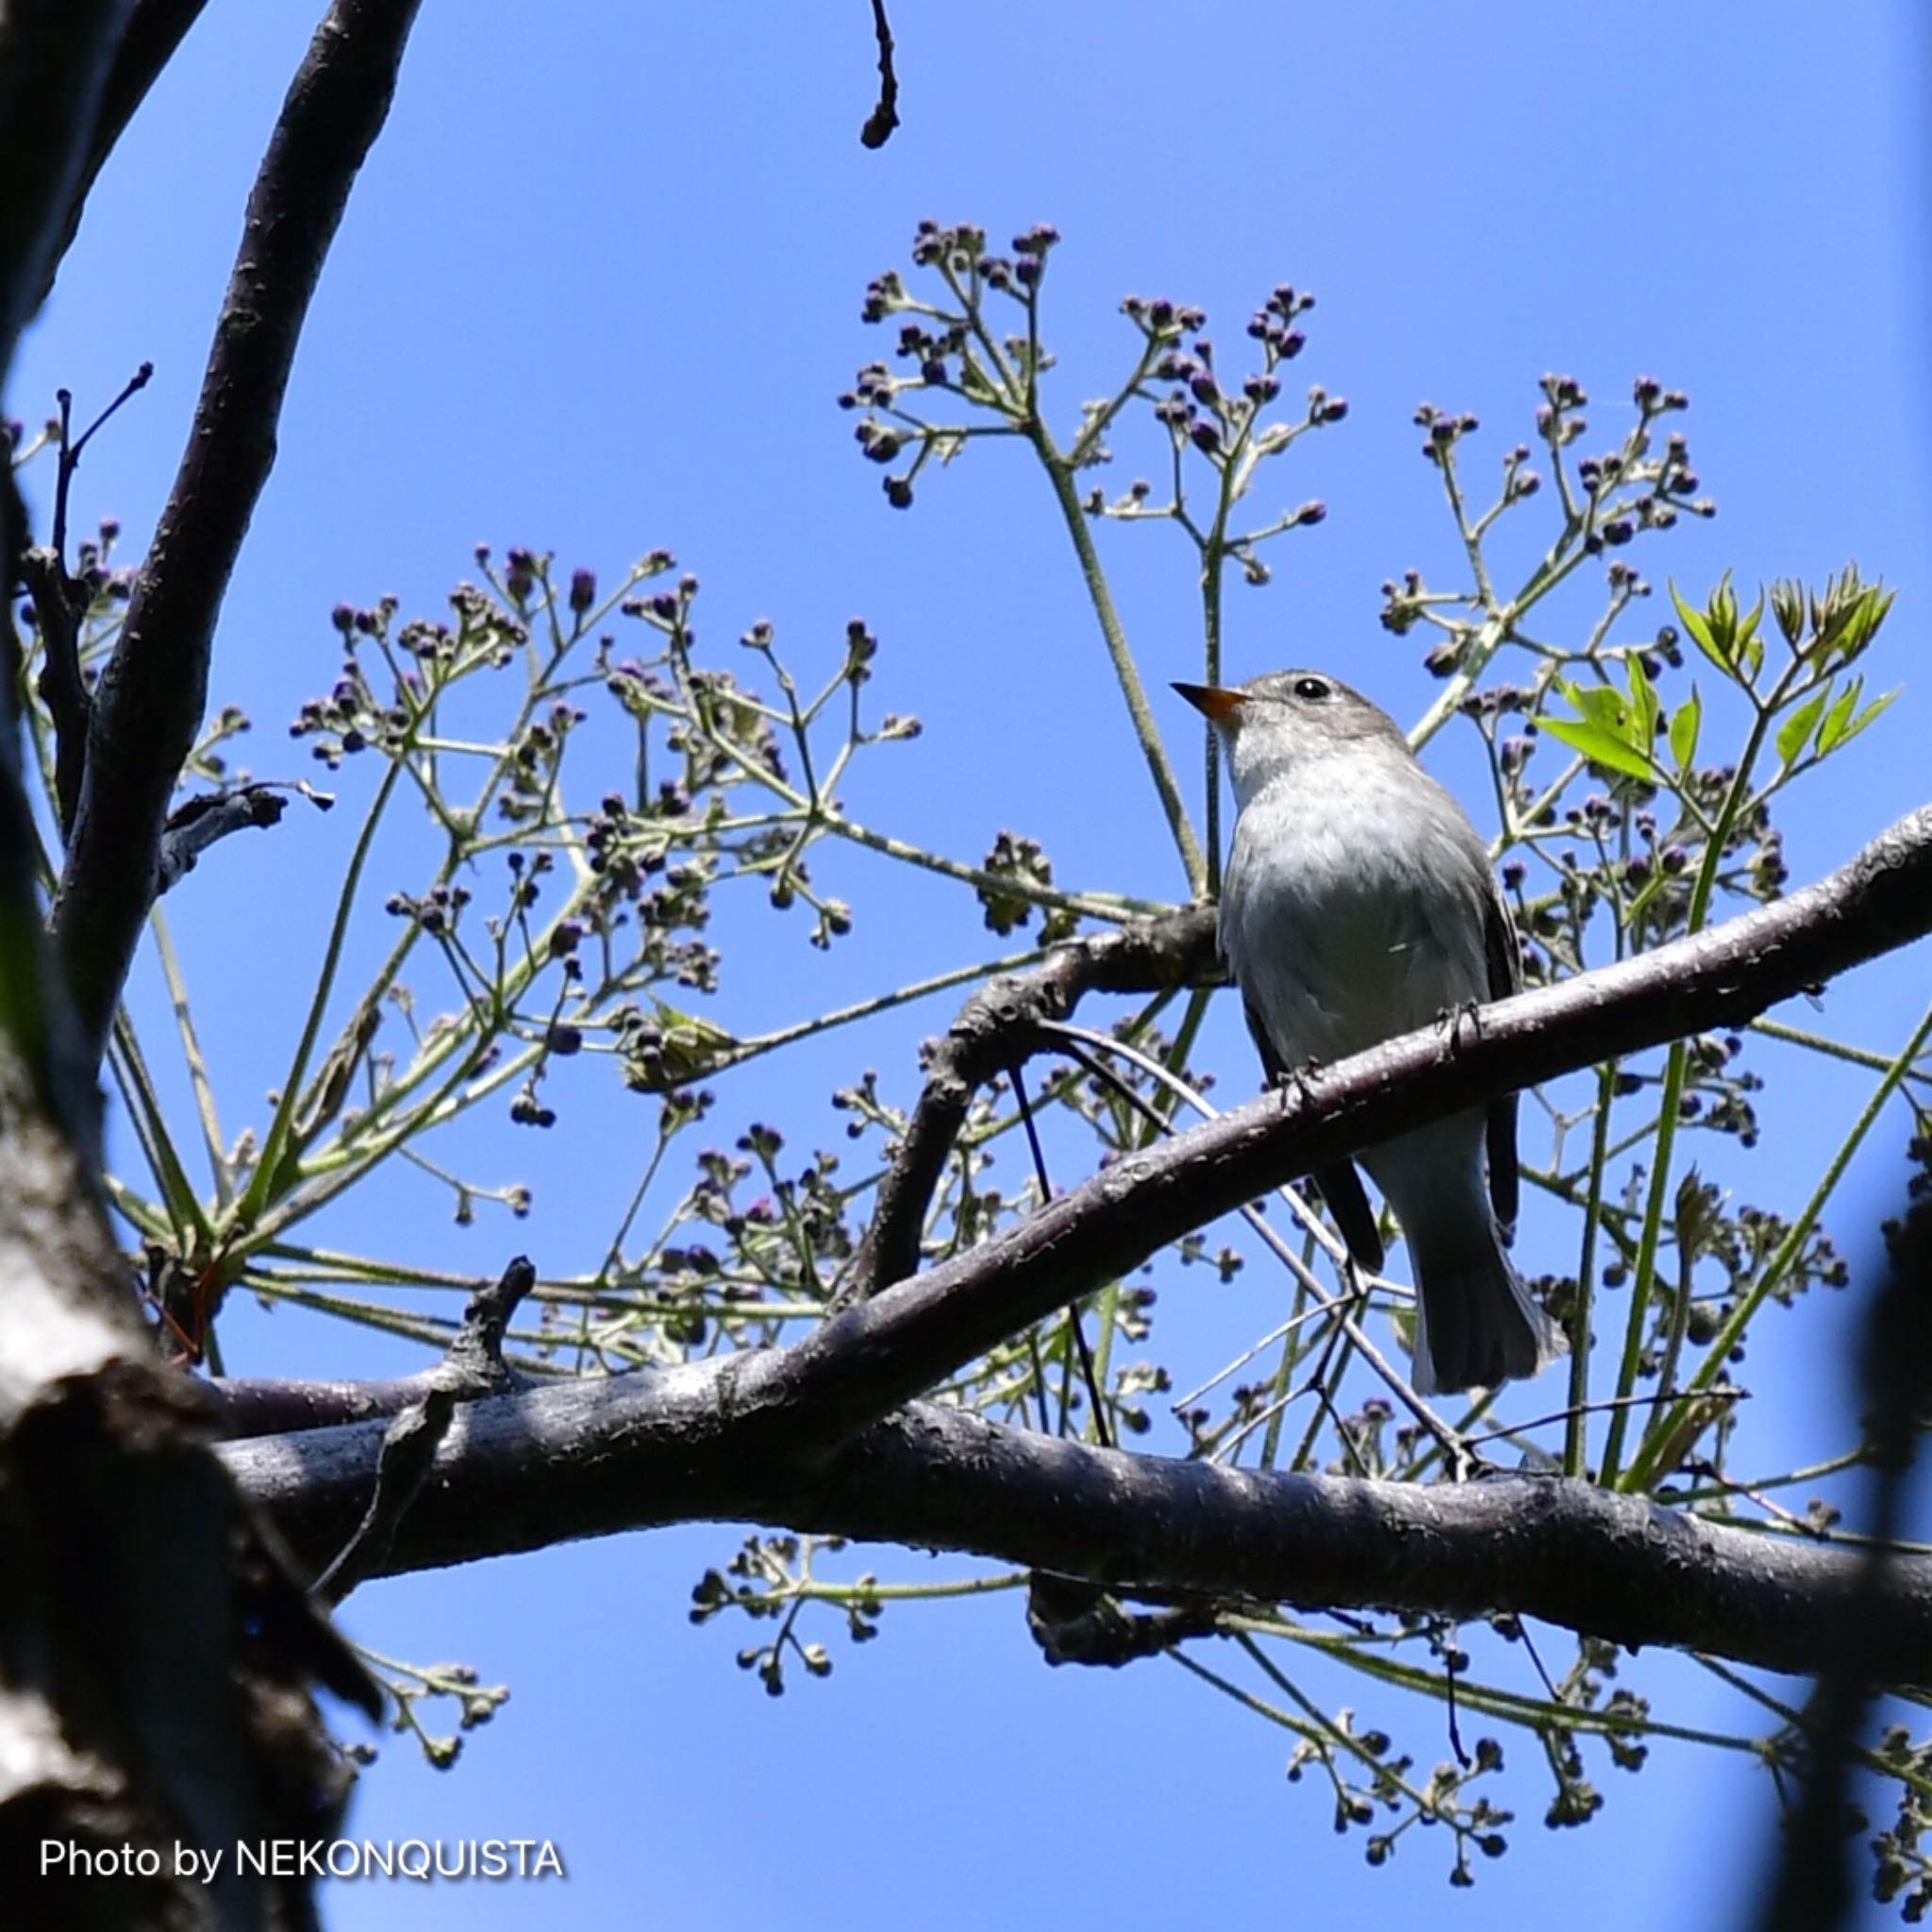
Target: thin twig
[[998, 1029], [885, 116], [473, 1368], [148, 704]]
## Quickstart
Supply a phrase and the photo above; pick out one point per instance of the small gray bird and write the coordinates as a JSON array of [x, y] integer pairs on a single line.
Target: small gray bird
[[1360, 905]]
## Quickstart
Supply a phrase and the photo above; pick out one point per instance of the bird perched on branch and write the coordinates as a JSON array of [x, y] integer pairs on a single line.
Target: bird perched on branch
[[1358, 905]]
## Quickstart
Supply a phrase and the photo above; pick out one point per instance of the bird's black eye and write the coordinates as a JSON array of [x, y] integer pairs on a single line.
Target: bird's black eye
[[1313, 688]]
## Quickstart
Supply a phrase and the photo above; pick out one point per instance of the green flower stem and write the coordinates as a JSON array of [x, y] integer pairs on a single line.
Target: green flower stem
[[191, 1052], [1125, 672], [1509, 1705], [1573, 1435], [1114, 908], [1832, 1049], [1642, 1472], [1799, 1720], [1211, 561], [187, 1226], [879, 1003], [1676, 1065], [262, 1184]]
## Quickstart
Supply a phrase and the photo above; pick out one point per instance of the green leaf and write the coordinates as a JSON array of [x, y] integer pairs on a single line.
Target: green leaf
[[1600, 746], [1643, 695], [1870, 712], [1701, 635], [1601, 705], [1749, 645], [1794, 734], [1685, 726], [1644, 704], [1831, 730]]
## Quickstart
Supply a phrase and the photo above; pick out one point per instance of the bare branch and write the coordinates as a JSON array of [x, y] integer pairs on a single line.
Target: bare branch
[[54, 58], [58, 611], [154, 28], [885, 116], [151, 696], [998, 1027], [874, 1357], [196, 822], [593, 1458], [473, 1368]]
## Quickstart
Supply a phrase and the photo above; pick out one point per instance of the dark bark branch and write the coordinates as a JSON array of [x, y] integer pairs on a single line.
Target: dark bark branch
[[593, 1458], [197, 823], [54, 59], [999, 1026], [151, 696], [154, 28], [58, 611], [473, 1368], [885, 1351], [799, 1437], [885, 115]]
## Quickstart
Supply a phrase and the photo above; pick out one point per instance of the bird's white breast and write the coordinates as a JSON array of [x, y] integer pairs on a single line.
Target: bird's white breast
[[1350, 915]]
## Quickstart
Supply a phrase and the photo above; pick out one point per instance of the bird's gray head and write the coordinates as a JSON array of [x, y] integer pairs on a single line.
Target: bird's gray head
[[1286, 720]]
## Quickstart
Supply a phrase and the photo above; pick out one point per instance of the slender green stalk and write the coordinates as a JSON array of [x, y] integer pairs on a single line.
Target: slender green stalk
[[1126, 672], [267, 1177], [1574, 1443], [1644, 1471], [191, 1052], [1676, 1063]]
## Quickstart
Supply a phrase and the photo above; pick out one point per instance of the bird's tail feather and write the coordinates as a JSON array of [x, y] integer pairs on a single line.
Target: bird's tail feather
[[1476, 1323]]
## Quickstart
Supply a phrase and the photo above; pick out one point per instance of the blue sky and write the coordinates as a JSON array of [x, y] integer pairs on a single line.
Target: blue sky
[[596, 292]]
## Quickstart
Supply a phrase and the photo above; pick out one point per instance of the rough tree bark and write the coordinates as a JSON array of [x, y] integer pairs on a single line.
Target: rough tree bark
[[154, 1650]]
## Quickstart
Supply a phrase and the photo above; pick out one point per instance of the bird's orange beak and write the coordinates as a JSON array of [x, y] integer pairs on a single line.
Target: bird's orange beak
[[1212, 700]]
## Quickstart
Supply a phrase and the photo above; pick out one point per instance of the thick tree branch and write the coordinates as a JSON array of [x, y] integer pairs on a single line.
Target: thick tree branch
[[154, 28], [54, 59], [151, 696], [877, 1356], [593, 1458], [799, 1438], [998, 1027]]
